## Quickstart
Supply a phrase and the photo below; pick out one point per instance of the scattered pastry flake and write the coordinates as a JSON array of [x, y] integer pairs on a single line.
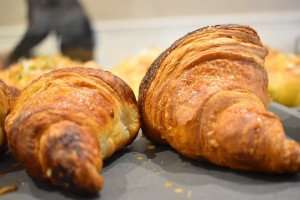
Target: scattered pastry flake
[[178, 190], [7, 189], [168, 184], [151, 147], [139, 157]]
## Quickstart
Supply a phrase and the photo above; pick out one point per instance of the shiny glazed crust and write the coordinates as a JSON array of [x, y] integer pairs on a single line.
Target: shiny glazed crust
[[206, 97], [65, 122]]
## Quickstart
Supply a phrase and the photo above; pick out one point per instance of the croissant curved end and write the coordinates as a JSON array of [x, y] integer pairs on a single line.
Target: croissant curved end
[[66, 122], [70, 157]]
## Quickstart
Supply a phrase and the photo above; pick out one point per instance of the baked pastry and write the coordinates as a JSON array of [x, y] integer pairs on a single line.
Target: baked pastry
[[284, 77], [7, 98], [67, 121], [206, 96], [22, 73], [133, 69]]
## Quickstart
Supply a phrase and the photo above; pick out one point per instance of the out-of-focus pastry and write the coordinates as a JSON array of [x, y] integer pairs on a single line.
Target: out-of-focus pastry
[[206, 96], [284, 77], [133, 69], [67, 121], [22, 73]]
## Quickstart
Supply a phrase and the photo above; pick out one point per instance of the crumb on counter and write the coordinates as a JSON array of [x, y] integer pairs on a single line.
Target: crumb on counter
[[151, 147], [168, 184], [178, 190], [7, 189], [139, 157]]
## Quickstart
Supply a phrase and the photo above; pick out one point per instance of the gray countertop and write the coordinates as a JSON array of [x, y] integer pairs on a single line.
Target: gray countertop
[[143, 171]]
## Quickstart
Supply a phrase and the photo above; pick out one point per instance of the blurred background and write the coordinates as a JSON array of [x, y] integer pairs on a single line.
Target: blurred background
[[14, 12], [118, 23], [126, 28]]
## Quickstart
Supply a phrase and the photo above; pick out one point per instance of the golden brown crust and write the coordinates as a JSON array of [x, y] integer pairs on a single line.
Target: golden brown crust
[[7, 98], [206, 96], [151, 73], [67, 121]]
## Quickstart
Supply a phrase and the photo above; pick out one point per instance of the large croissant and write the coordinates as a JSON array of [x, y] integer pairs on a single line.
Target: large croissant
[[206, 96], [65, 122]]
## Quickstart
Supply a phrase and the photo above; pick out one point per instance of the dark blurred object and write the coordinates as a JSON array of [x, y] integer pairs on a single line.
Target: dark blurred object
[[3, 57], [67, 19]]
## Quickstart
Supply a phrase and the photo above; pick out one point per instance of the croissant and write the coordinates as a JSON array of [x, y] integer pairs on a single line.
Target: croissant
[[67, 121], [206, 97], [7, 97]]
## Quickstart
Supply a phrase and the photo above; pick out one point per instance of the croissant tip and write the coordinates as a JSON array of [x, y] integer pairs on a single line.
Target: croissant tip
[[93, 178]]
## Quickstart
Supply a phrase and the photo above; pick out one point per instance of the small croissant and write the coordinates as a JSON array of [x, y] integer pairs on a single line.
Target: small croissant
[[206, 96], [66, 122]]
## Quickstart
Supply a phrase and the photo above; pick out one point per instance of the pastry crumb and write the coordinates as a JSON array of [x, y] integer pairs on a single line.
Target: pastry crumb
[[168, 184], [178, 190], [139, 157], [7, 189], [150, 147]]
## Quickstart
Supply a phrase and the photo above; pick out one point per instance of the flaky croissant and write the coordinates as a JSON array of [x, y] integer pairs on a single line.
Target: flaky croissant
[[7, 98], [206, 96], [65, 122]]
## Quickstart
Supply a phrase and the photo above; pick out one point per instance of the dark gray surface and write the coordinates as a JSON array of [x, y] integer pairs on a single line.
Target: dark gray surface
[[141, 172]]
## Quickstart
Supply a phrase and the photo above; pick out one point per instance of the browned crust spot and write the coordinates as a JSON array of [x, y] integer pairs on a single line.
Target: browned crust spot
[[123, 88], [151, 73]]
